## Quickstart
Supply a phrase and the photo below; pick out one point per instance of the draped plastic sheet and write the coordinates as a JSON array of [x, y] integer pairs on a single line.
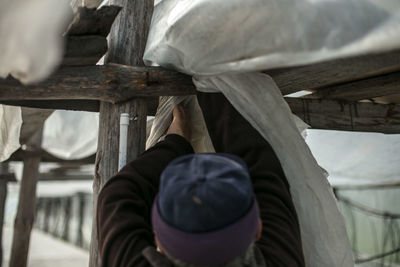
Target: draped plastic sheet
[[30, 48], [10, 126], [71, 134], [31, 31], [213, 40]]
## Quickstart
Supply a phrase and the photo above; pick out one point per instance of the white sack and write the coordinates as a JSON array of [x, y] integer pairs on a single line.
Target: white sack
[[207, 38], [71, 134], [31, 37], [10, 127]]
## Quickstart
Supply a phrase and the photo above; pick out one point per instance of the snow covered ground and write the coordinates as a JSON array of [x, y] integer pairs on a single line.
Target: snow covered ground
[[47, 251]]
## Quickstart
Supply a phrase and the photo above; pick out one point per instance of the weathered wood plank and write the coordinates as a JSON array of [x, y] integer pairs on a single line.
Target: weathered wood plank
[[331, 72], [111, 83], [3, 196], [346, 116], [92, 21], [21, 155], [127, 42], [26, 207], [77, 105], [84, 50], [369, 88]]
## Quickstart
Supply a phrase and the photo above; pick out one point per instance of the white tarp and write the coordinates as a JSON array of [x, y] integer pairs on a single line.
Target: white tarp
[[71, 134], [31, 32], [213, 40], [10, 127], [30, 48], [356, 158]]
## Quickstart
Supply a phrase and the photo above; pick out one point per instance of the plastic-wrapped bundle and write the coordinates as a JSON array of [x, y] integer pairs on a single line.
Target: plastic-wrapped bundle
[[215, 40], [31, 37], [30, 49]]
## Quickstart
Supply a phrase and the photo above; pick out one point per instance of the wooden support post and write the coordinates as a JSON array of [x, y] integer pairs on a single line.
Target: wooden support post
[[81, 217], [26, 206], [3, 196], [127, 42], [67, 217]]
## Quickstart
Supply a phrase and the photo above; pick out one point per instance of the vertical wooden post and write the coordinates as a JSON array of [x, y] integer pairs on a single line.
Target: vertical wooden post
[[3, 196], [127, 41], [67, 217], [26, 206]]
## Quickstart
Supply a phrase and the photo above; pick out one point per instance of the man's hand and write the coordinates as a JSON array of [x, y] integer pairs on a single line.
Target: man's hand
[[180, 123]]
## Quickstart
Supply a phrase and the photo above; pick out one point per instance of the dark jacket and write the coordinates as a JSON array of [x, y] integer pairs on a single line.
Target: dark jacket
[[124, 204]]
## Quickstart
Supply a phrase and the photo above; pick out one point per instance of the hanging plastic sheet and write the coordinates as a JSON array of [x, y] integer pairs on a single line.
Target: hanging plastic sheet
[[31, 32], [30, 49], [10, 126], [71, 134], [215, 40]]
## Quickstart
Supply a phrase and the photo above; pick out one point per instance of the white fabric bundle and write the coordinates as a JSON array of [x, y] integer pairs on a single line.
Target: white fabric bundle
[[31, 48], [214, 40]]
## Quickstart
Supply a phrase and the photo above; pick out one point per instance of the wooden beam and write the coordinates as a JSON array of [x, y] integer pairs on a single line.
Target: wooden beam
[[111, 83], [26, 207], [64, 177], [369, 88], [4, 179], [331, 72], [92, 21], [127, 42], [347, 116], [21, 155], [84, 50], [77, 105]]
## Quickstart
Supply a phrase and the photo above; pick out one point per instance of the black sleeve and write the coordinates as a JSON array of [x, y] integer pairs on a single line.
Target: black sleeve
[[124, 204], [231, 133]]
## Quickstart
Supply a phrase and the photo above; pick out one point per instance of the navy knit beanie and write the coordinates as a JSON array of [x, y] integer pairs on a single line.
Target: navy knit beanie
[[205, 212]]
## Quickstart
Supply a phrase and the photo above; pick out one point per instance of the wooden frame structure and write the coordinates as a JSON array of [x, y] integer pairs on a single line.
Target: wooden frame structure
[[344, 91]]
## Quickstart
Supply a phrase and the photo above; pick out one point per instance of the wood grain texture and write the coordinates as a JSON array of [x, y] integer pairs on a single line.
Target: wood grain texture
[[26, 206], [21, 155], [128, 35], [332, 72], [107, 150], [111, 83], [92, 21], [347, 116], [369, 88], [76, 105], [127, 42], [3, 197], [84, 50]]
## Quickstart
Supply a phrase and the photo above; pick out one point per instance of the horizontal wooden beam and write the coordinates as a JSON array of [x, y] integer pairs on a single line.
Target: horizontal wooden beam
[[92, 21], [84, 50], [333, 72], [76, 105], [64, 177], [346, 116], [369, 88], [110, 83], [9, 177], [20, 155]]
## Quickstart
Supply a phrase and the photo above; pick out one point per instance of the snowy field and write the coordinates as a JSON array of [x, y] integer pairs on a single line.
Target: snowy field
[[46, 251]]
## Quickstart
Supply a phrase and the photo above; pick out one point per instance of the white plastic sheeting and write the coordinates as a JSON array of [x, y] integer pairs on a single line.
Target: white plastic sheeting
[[31, 37], [71, 134], [10, 126], [356, 158], [212, 40], [30, 48]]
